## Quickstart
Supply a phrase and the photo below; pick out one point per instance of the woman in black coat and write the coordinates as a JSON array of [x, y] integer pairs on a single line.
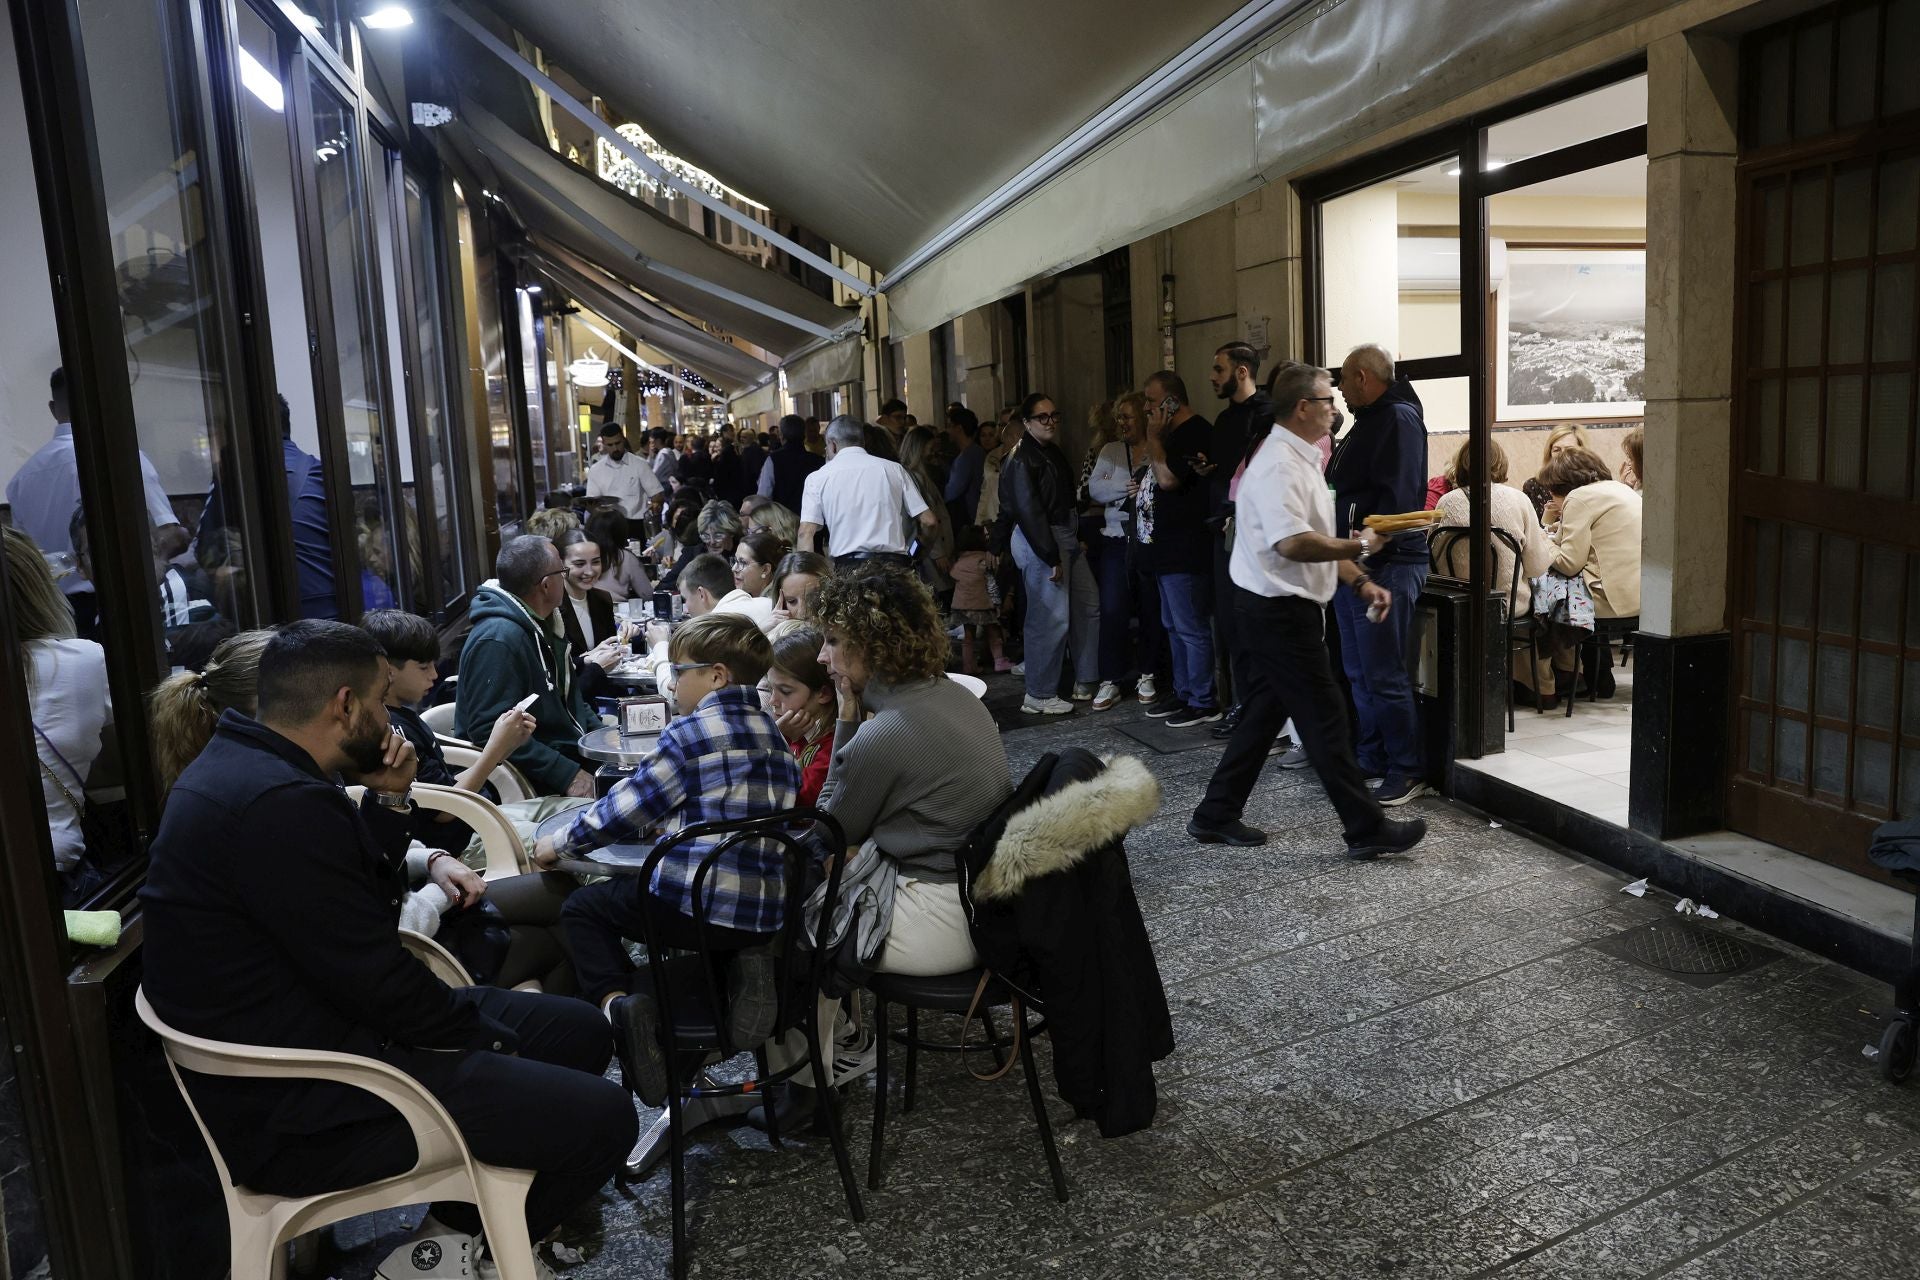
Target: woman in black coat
[[586, 613]]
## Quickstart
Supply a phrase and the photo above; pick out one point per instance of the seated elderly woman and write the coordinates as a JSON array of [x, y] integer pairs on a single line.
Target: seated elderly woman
[[1510, 511], [1598, 539], [922, 773]]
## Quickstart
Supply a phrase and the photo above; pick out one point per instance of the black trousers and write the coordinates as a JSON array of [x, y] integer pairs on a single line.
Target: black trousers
[[1231, 675], [548, 1109], [1288, 677], [598, 917]]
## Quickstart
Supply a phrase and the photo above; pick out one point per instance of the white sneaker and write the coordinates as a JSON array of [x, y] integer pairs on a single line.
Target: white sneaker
[[1082, 692], [434, 1253], [1108, 696], [1051, 707], [1145, 690], [853, 1062], [1019, 669]]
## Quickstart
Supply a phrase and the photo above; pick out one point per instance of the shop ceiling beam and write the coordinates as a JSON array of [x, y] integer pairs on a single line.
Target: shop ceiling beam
[[646, 163], [1252, 22], [619, 244], [634, 356]]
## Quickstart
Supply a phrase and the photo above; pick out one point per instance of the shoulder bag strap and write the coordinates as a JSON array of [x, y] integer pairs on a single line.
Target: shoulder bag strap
[[1019, 1029]]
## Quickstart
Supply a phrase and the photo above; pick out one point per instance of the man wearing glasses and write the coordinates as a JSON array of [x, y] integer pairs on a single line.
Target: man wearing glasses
[[511, 653], [1286, 562]]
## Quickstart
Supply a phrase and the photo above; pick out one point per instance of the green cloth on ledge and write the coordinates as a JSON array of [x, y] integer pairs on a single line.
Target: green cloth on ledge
[[94, 928]]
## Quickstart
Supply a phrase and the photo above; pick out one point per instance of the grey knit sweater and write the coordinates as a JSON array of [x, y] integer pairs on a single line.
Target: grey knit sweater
[[919, 776]]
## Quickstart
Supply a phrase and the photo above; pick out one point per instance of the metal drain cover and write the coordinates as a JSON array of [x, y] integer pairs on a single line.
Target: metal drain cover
[[1690, 952]]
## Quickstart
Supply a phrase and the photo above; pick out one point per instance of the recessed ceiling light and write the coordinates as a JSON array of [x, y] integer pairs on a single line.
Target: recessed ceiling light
[[388, 17], [1454, 172], [533, 288]]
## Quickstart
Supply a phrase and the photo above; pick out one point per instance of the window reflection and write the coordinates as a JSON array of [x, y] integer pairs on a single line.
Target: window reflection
[[435, 413]]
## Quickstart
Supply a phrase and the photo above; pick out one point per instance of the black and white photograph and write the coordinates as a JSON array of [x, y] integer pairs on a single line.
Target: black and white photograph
[[1572, 333]]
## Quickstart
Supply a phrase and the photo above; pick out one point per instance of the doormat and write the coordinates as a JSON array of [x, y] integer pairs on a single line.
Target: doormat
[[1692, 953], [1168, 741]]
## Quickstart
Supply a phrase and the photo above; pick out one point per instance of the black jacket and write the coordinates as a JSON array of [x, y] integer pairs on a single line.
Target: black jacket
[[272, 908], [1052, 909], [1379, 468], [792, 464], [1036, 497], [1237, 426], [591, 675]]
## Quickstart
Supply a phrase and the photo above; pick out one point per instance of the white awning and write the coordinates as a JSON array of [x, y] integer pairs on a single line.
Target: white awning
[[635, 242], [761, 400]]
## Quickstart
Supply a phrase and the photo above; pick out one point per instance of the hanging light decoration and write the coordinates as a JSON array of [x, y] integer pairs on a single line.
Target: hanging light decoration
[[616, 168]]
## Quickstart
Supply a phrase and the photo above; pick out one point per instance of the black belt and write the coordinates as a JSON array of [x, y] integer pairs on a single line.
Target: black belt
[[885, 557]]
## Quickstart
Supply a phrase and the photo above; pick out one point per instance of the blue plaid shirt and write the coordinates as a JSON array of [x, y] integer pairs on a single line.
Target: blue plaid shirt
[[725, 761]]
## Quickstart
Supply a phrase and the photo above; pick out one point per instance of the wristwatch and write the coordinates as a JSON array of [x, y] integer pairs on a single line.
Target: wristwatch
[[398, 801]]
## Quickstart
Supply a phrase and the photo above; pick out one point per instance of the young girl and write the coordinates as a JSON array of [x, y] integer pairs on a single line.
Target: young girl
[[801, 697], [973, 603]]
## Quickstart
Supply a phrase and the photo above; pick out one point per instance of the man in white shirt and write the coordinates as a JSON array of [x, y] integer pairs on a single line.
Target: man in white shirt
[[1284, 566], [621, 474], [706, 584], [867, 504], [45, 492]]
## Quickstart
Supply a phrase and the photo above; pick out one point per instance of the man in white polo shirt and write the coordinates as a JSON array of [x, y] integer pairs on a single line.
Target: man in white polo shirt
[[866, 504], [620, 473], [1284, 565]]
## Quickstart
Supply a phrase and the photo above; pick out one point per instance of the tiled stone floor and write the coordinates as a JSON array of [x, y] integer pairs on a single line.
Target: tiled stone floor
[[1581, 761], [1417, 1067]]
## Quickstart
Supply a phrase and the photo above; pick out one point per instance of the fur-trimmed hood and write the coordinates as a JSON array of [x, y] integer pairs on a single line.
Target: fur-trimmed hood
[[1056, 831]]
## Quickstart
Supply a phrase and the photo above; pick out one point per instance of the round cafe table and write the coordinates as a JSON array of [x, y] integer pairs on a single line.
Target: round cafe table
[[609, 746]]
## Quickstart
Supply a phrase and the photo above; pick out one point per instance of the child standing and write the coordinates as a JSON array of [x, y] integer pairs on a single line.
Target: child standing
[[801, 696], [973, 598]]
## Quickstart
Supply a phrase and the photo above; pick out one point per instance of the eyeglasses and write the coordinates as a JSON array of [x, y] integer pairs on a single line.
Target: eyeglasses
[[1046, 419], [678, 667], [1319, 399], [561, 571]]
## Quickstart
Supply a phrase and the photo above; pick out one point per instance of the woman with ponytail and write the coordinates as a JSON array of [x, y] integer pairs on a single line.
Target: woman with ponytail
[[183, 708]]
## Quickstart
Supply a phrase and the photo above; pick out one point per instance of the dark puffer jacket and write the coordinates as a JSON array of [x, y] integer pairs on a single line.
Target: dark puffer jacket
[[1036, 497], [1053, 913]]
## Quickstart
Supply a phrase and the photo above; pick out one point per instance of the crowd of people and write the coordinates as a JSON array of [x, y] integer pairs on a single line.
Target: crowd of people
[[807, 591]]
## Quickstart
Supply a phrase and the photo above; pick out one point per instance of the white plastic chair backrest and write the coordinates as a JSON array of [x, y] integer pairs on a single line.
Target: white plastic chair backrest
[[506, 855], [439, 961], [440, 718], [507, 780], [436, 1139]]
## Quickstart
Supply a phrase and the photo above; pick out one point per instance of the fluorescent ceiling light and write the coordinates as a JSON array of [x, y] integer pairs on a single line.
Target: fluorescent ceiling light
[[388, 17], [260, 82], [1454, 172], [533, 288]]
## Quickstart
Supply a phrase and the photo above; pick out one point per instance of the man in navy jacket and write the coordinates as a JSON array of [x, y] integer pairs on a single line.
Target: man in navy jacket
[[1380, 468], [272, 909]]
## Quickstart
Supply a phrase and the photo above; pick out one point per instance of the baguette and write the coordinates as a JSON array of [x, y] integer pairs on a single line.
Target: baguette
[[1402, 522]]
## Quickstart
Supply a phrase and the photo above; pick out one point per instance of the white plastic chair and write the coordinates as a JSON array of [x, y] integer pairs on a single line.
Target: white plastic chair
[[440, 718], [259, 1225], [441, 962], [508, 781], [506, 855]]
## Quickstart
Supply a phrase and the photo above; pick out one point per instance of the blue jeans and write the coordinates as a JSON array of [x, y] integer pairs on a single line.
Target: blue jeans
[[1375, 657], [1058, 613], [1109, 556], [1186, 610]]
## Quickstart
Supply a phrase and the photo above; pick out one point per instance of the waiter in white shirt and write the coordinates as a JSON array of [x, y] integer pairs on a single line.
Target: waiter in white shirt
[[1284, 565], [622, 474], [868, 505]]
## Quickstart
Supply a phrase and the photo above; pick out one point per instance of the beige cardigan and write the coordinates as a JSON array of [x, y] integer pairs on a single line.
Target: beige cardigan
[[1599, 539], [1512, 511]]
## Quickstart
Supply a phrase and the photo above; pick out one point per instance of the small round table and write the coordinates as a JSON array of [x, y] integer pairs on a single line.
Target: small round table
[[609, 746]]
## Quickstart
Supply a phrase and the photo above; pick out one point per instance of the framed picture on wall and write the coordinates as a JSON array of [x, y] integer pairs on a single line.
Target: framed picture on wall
[[1570, 338]]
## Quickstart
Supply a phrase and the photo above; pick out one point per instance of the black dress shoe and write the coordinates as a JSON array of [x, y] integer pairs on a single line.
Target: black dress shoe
[[1391, 836], [1226, 727], [1234, 833], [793, 1106]]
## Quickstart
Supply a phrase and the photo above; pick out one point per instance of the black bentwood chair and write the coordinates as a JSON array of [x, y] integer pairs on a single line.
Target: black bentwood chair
[[689, 987], [961, 993], [1520, 633]]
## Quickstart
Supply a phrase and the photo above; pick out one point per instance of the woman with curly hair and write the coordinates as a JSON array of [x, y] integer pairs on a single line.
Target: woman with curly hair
[[918, 777]]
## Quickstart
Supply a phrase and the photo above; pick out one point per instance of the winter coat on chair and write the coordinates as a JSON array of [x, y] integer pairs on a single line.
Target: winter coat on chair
[[1053, 914]]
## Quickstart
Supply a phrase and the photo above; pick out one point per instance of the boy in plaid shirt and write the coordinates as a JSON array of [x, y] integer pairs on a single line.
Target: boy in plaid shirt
[[721, 758]]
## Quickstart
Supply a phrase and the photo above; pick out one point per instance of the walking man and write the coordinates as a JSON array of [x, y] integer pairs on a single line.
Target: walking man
[[1285, 564]]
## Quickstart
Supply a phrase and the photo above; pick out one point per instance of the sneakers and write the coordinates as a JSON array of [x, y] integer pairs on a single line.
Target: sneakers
[[1187, 717], [1296, 758], [1002, 665], [1145, 689], [1391, 836], [636, 1038], [1394, 791], [1107, 697], [751, 999], [434, 1253], [1018, 668], [1048, 707], [1083, 692], [1167, 704], [1235, 833]]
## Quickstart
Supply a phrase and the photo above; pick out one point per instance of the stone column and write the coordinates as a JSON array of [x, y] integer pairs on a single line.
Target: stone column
[[1682, 661], [1267, 274]]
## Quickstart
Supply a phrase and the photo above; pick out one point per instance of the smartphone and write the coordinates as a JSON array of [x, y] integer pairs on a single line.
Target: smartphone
[[526, 702], [663, 605]]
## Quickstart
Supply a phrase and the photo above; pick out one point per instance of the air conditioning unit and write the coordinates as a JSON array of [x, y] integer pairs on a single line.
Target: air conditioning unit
[[1431, 264]]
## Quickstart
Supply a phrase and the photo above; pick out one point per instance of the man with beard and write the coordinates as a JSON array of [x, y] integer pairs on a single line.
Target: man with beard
[[272, 910], [1247, 417]]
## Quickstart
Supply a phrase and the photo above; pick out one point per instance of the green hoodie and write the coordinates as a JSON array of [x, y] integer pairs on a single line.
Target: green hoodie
[[509, 655]]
